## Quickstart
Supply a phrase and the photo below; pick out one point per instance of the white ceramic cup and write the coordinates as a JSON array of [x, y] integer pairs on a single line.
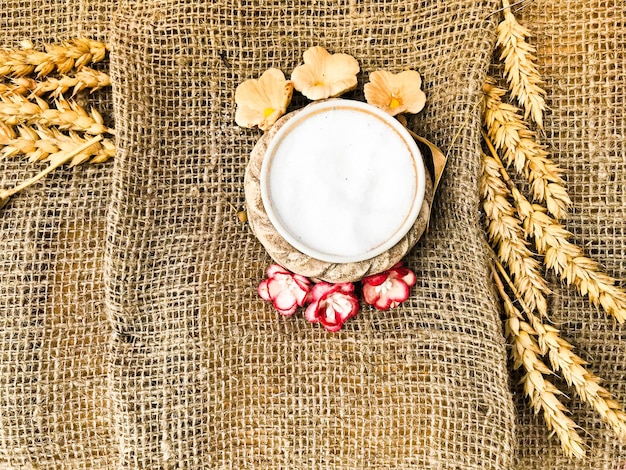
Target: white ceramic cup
[[342, 181]]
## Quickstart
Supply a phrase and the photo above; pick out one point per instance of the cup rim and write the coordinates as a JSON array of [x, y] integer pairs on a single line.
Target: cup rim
[[418, 166]]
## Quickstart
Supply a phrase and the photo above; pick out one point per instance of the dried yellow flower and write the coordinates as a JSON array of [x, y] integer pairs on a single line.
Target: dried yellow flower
[[396, 93], [261, 102], [325, 75]]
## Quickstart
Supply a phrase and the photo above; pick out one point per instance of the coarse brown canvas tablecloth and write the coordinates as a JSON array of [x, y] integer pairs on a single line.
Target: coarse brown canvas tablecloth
[[131, 335]]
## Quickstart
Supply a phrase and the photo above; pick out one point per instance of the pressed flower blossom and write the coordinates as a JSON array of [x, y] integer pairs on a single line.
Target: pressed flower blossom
[[261, 102], [325, 75], [286, 291], [332, 304], [389, 288], [395, 93]]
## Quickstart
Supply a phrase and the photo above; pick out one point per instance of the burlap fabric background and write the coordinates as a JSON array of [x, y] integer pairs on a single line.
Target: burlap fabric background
[[131, 334]]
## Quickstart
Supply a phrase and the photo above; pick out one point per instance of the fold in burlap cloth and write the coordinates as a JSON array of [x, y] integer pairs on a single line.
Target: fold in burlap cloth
[[131, 334]]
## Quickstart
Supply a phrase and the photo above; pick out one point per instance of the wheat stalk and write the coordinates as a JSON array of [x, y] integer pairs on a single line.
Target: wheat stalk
[[506, 233], [520, 148], [567, 260], [45, 143], [16, 110], [74, 53], [519, 66], [86, 78], [541, 393]]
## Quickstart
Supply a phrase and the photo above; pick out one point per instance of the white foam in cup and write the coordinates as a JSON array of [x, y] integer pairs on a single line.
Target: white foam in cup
[[342, 181]]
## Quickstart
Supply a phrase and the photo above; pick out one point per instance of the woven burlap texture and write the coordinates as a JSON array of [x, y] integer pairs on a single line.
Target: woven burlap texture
[[130, 331]]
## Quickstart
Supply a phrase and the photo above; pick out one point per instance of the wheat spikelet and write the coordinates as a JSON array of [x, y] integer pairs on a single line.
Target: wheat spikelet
[[74, 53], [21, 143], [19, 86], [520, 147], [542, 394], [551, 240], [16, 110], [86, 78], [44, 144], [7, 134], [507, 234], [519, 66]]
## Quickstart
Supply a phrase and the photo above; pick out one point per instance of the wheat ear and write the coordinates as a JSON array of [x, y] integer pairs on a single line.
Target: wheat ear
[[86, 78], [563, 359], [551, 240], [16, 109], [42, 143], [541, 393], [519, 66], [74, 53], [519, 147], [506, 233], [57, 161]]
